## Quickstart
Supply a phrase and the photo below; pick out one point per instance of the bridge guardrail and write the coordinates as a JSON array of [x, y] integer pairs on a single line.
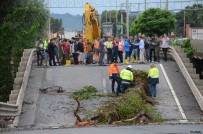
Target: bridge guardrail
[[197, 94], [14, 110]]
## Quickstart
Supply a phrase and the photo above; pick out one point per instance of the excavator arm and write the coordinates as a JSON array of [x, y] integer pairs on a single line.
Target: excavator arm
[[91, 24]]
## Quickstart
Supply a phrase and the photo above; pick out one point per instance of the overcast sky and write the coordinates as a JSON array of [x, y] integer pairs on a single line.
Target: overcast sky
[[76, 7]]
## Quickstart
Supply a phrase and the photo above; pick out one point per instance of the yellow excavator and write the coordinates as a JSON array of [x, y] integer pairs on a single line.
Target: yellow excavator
[[91, 25]]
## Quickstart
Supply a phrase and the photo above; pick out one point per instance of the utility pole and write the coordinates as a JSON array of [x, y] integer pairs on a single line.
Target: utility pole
[[116, 13], [166, 4], [160, 4], [49, 21], [184, 24], [106, 15], [127, 18], [145, 7]]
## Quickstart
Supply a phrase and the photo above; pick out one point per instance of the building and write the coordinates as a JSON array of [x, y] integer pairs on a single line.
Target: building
[[195, 33]]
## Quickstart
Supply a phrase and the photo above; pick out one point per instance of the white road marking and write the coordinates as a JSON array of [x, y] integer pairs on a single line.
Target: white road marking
[[173, 93], [104, 85]]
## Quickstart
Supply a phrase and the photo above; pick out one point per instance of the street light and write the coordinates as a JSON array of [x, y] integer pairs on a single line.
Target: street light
[[127, 19], [197, 27]]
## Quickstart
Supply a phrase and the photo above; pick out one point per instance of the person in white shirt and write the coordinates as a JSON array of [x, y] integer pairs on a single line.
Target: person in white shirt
[[165, 42], [142, 49]]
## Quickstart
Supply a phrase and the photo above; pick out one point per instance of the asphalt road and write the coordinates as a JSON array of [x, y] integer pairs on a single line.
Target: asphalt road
[[147, 129], [52, 110]]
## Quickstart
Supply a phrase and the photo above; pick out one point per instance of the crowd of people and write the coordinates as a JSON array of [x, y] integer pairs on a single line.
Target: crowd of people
[[131, 49]]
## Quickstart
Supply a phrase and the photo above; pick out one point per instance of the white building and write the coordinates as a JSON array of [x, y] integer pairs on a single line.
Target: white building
[[68, 34], [196, 33]]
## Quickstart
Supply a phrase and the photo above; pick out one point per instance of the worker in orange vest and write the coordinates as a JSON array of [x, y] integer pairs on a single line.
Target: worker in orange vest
[[85, 51], [114, 73], [96, 50]]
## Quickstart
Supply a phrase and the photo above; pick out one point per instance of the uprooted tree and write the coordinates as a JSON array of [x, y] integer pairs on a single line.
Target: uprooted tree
[[132, 107]]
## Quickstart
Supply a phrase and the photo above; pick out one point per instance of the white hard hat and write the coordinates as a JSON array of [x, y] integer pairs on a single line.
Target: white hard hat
[[129, 66]]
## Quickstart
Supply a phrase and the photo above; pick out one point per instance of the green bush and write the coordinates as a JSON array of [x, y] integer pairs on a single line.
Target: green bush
[[87, 92], [188, 49]]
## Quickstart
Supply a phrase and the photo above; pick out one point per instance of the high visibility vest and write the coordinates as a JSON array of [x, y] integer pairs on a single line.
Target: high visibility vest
[[114, 69], [96, 46], [85, 47], [154, 72], [126, 75], [45, 44], [108, 44]]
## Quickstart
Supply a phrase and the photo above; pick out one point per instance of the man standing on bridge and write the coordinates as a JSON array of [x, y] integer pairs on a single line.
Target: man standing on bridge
[[114, 72], [39, 50], [153, 79], [127, 78]]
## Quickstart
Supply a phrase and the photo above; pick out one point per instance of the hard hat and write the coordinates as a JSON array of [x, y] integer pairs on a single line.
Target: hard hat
[[129, 66]]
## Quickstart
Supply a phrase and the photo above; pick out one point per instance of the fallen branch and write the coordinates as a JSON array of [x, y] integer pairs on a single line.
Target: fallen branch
[[141, 117], [79, 121], [76, 111]]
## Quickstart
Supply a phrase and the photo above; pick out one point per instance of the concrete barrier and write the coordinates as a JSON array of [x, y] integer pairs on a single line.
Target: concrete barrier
[[188, 65], [194, 76], [198, 82], [16, 87], [185, 60], [18, 81], [21, 69], [21, 95], [13, 97], [14, 105], [182, 55], [7, 110], [23, 63], [191, 70], [15, 91], [186, 73], [25, 58], [200, 88], [12, 102], [19, 74]]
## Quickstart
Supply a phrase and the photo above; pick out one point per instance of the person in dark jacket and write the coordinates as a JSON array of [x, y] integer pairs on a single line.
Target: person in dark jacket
[[75, 51], [80, 50], [147, 42], [51, 47], [152, 49], [102, 50], [39, 50]]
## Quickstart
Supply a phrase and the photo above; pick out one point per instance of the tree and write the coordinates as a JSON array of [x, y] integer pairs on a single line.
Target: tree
[[193, 16], [19, 27], [56, 25], [153, 21]]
